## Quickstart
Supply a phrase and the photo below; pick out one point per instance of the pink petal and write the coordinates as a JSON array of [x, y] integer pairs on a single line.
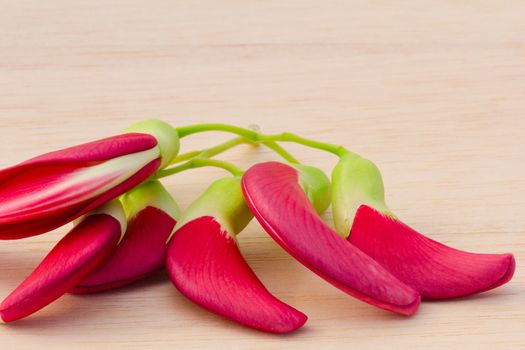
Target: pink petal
[[141, 252], [41, 191], [27, 211], [17, 226], [274, 195], [435, 270], [88, 153], [81, 252], [205, 265]]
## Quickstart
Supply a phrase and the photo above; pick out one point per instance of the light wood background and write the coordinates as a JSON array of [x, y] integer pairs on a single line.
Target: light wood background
[[434, 92]]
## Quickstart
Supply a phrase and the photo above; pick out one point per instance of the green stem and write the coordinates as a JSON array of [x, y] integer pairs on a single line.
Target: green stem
[[184, 131], [212, 151], [184, 157], [198, 162], [197, 159], [257, 137], [290, 137], [281, 151]]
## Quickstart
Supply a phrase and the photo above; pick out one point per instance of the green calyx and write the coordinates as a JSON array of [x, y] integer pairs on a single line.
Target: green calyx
[[112, 208], [223, 200], [355, 181], [316, 185], [166, 135], [149, 194]]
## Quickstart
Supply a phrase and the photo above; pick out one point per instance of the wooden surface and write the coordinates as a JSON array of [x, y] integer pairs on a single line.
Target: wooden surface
[[433, 92]]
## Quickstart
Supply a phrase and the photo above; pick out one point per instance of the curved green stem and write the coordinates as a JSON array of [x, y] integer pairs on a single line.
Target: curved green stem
[[184, 131], [197, 159], [290, 137], [281, 151], [184, 157], [198, 162], [212, 151], [257, 137]]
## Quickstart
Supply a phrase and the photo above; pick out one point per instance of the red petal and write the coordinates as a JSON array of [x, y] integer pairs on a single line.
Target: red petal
[[46, 171], [275, 197], [205, 265], [141, 252], [37, 223], [87, 153], [41, 191], [81, 252], [433, 269]]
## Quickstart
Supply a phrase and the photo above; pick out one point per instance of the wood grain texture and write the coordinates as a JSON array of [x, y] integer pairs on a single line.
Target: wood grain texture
[[433, 92]]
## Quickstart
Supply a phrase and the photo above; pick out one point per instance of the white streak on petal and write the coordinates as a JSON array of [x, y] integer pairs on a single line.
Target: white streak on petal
[[84, 184]]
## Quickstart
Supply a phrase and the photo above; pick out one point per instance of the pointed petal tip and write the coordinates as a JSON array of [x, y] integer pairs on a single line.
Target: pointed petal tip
[[80, 252], [296, 320], [6, 313], [435, 270], [205, 264], [3, 317], [508, 266], [404, 300], [410, 309]]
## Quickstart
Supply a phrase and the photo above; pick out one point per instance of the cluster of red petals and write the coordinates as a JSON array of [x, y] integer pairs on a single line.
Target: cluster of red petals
[[383, 262], [141, 252], [274, 195], [53, 189]]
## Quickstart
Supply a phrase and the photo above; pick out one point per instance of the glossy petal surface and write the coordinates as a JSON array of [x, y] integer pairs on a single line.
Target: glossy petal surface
[[87, 153], [435, 270], [205, 265], [278, 202], [48, 191], [81, 252], [141, 252]]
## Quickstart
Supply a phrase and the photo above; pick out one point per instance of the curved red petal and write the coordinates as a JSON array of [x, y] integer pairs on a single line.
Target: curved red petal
[[279, 203], [87, 153], [141, 252], [39, 223], [205, 265], [435, 270], [81, 252]]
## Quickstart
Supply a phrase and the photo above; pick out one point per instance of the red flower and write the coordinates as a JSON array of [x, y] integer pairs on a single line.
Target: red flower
[[81, 252], [435, 270], [274, 194], [48, 191], [152, 216], [205, 264]]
